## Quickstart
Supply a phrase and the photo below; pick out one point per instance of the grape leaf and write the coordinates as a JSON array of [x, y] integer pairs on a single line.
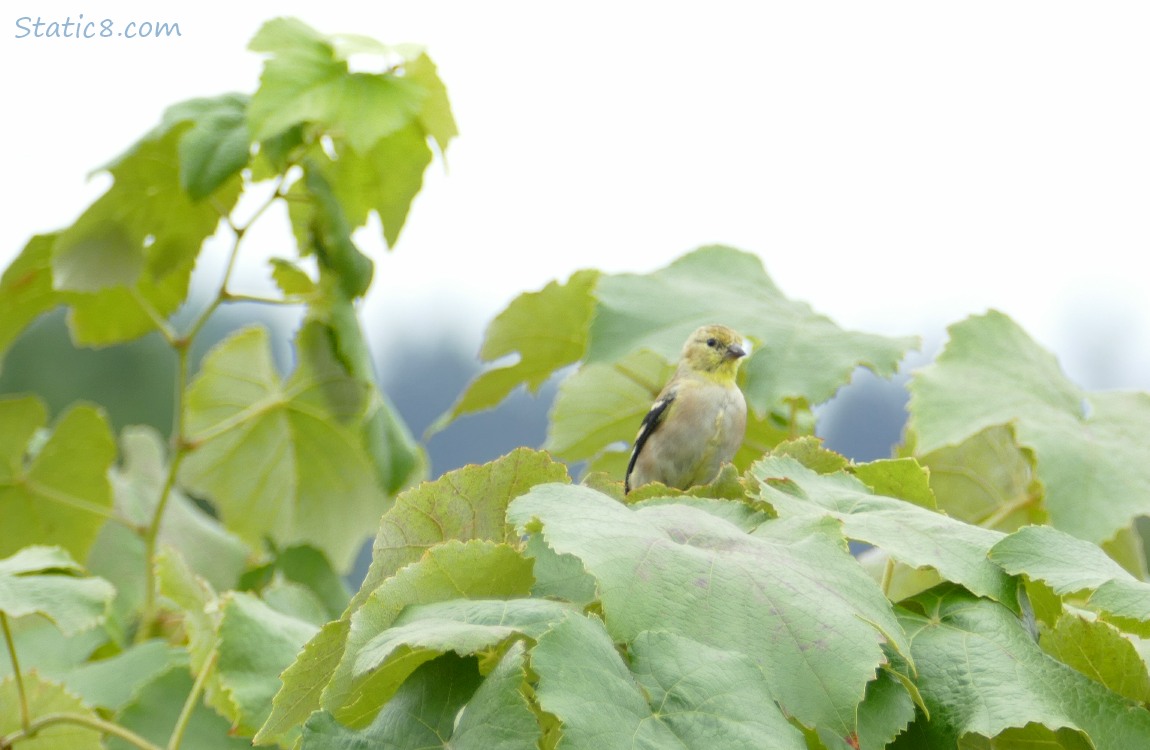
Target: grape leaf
[[546, 329], [981, 672], [1092, 449], [281, 458], [800, 355], [682, 694], [26, 290], [155, 707], [1099, 651], [678, 568], [60, 496], [46, 697], [44, 581], [912, 534], [1068, 565]]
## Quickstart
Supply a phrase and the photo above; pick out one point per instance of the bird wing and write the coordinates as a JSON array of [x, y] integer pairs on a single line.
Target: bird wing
[[650, 423]]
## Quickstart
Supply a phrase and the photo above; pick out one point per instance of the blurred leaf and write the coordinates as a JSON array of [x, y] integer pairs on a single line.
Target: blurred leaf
[[47, 698], [208, 548], [113, 682], [987, 479], [1099, 651], [981, 672], [61, 495], [44, 581], [468, 503], [155, 707], [912, 534], [680, 569], [1092, 451], [546, 330], [292, 280], [1068, 564], [435, 116], [26, 290], [384, 178], [304, 80], [216, 147], [281, 458], [329, 235], [799, 355], [1030, 737]]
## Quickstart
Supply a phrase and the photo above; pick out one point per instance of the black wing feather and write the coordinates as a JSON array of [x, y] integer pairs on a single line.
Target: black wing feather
[[650, 422]]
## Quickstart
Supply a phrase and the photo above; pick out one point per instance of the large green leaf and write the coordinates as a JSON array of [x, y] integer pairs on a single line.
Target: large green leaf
[[477, 568], [474, 569], [60, 495], [306, 79], [45, 581], [547, 330], [468, 503], [1099, 651], [912, 534], [282, 459], [26, 290], [155, 708], [1069, 565], [678, 568], [981, 672], [47, 698], [424, 632], [682, 693], [800, 355], [1093, 450], [256, 643]]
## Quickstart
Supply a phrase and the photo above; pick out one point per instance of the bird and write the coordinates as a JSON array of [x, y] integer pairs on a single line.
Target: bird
[[699, 418]]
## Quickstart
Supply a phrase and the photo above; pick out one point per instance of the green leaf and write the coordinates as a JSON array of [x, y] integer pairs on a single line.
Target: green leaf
[[1092, 458], [216, 147], [292, 280], [424, 632], [988, 479], [146, 224], [800, 355], [885, 712], [468, 503], [61, 495], [498, 716], [43, 581], [383, 178], [445, 571], [155, 708], [330, 238], [1099, 651], [47, 698], [682, 694], [114, 682], [912, 534], [281, 459], [26, 290], [256, 644], [305, 81], [903, 478], [197, 601], [201, 540], [981, 672], [1030, 737], [473, 569], [681, 569], [600, 407], [1068, 565], [435, 116], [420, 716], [546, 330]]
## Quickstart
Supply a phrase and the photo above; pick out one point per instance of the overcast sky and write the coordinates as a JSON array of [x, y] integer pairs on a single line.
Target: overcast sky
[[898, 165]]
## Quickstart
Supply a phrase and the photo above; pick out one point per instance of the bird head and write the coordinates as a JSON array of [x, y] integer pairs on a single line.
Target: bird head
[[715, 350]]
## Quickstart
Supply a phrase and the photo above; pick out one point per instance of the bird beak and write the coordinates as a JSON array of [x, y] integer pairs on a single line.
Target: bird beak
[[734, 351]]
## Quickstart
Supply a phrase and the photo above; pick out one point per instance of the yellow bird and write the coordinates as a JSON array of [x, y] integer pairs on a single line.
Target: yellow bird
[[699, 418]]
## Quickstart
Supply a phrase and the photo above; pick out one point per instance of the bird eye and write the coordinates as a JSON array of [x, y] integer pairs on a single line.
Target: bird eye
[[712, 343]]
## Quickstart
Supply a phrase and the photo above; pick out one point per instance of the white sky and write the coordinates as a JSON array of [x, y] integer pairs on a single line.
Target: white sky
[[899, 165]]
